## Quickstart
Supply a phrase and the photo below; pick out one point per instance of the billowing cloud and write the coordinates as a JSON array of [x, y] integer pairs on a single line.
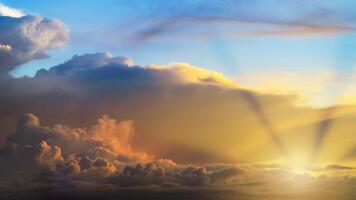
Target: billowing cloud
[[183, 99], [52, 152], [41, 161], [102, 152], [26, 38], [97, 83]]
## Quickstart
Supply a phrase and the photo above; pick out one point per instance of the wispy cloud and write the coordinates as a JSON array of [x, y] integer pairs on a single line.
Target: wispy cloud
[[241, 18]]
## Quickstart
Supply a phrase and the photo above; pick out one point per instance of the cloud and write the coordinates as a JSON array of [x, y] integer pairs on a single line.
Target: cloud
[[61, 149], [93, 84], [61, 159], [27, 38], [93, 155], [191, 108], [316, 88], [108, 138], [227, 18], [178, 124], [10, 12], [112, 68], [77, 164], [211, 26], [338, 167]]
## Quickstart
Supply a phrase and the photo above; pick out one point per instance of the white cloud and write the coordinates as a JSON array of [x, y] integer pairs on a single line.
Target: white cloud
[[10, 12], [29, 37]]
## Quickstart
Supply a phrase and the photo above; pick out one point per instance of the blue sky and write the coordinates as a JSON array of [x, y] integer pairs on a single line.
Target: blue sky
[[266, 38]]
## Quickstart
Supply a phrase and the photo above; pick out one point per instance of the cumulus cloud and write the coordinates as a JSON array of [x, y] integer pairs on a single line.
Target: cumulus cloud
[[38, 158], [184, 100], [10, 12], [114, 82], [120, 70], [93, 154], [26, 38], [62, 150], [109, 138]]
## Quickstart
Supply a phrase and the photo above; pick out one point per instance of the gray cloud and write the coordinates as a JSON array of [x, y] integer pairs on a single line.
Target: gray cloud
[[28, 38]]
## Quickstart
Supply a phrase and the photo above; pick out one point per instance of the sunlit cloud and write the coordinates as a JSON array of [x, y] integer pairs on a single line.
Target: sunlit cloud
[[5, 47], [10, 12], [317, 89]]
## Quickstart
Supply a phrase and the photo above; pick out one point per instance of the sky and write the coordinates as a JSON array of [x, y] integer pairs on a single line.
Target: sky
[[320, 51], [290, 36], [244, 98]]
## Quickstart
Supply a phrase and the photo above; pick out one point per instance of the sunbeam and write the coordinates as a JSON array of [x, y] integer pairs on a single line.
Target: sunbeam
[[257, 109]]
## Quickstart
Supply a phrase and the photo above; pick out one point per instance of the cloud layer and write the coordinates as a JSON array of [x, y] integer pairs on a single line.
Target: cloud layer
[[183, 99], [87, 86]]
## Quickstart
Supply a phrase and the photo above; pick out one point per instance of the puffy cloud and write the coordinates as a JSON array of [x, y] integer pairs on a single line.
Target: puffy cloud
[[54, 153], [27, 159], [86, 153], [120, 70], [109, 138], [26, 38], [10, 12]]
